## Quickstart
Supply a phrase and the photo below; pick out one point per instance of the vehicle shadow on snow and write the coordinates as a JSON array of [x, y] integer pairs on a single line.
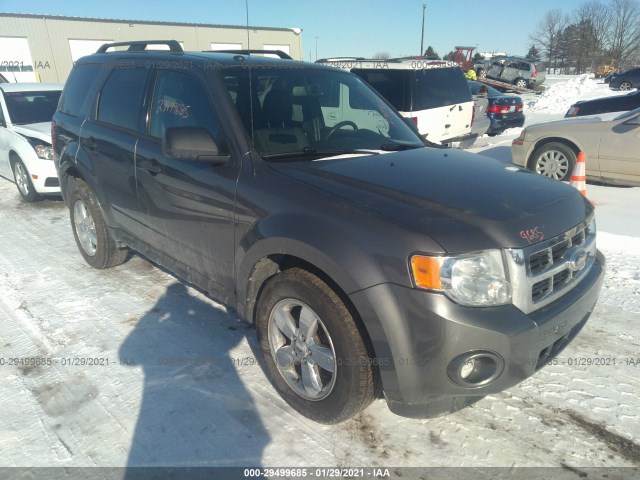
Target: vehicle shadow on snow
[[500, 153], [195, 410]]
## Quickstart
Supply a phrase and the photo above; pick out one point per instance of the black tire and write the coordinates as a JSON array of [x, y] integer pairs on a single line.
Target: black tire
[[99, 250], [520, 83], [481, 73], [351, 387], [554, 160], [626, 85], [22, 178]]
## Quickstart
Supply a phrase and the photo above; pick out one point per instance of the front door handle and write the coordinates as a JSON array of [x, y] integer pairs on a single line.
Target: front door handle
[[150, 165]]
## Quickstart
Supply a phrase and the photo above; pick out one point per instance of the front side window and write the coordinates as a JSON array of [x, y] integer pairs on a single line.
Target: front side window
[[288, 111], [31, 107], [180, 100], [122, 98]]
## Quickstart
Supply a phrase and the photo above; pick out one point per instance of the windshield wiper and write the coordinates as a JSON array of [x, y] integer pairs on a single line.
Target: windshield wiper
[[396, 147], [319, 152]]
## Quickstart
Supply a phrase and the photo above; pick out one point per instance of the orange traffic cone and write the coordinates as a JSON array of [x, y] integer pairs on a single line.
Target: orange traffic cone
[[579, 176]]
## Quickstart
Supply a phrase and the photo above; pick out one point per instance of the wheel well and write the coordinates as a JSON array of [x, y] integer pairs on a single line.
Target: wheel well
[[13, 156], [271, 265], [544, 141]]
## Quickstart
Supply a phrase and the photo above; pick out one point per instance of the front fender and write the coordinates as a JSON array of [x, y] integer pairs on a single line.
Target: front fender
[[346, 259]]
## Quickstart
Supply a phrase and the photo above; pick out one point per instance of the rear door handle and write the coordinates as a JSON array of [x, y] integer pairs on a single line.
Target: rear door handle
[[150, 165]]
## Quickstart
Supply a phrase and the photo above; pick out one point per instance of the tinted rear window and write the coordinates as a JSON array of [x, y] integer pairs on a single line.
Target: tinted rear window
[[439, 87], [412, 90], [80, 83]]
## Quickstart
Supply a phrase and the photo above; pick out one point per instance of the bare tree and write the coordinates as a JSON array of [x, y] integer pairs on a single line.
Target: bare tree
[[592, 22], [382, 56], [625, 30], [549, 32]]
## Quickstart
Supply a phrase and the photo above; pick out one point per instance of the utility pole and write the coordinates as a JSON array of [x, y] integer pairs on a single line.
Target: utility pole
[[316, 48], [424, 7]]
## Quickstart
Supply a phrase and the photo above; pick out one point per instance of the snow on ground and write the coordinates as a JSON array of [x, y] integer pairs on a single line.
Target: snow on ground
[[146, 370]]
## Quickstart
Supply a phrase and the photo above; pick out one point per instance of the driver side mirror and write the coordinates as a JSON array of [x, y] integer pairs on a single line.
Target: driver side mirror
[[192, 143]]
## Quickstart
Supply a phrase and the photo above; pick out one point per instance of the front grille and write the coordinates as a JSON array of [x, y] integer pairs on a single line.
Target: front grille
[[547, 270]]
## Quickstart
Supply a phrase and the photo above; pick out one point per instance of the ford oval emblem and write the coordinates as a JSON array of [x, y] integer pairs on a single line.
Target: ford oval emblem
[[576, 258]]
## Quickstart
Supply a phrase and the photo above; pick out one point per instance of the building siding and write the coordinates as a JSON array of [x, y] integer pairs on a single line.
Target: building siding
[[48, 37]]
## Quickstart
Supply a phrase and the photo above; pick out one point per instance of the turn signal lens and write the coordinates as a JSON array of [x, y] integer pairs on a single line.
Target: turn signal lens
[[426, 271]]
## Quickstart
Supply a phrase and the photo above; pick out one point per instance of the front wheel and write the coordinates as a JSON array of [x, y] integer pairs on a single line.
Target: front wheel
[[554, 160], [481, 73], [90, 230], [23, 182], [313, 351], [626, 85]]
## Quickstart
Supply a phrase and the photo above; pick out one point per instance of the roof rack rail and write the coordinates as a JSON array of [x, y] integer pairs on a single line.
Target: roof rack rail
[[338, 59], [280, 53], [141, 45]]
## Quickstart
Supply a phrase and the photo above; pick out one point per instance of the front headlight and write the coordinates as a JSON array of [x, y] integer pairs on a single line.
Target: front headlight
[[44, 151], [474, 280]]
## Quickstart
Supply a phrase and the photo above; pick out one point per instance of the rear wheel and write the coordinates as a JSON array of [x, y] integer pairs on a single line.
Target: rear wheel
[[23, 181], [626, 85], [520, 83], [554, 160], [313, 351], [90, 230]]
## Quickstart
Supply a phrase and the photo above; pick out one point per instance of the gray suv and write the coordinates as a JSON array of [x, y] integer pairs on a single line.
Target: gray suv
[[521, 72], [370, 263]]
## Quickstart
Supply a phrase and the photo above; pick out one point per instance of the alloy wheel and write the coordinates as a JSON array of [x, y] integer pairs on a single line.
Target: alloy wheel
[[302, 348]]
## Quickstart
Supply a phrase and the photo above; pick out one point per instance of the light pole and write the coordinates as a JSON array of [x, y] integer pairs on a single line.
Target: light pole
[[424, 7], [316, 48]]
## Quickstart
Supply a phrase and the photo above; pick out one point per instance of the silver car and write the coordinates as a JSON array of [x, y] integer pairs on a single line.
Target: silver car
[[611, 148], [520, 71]]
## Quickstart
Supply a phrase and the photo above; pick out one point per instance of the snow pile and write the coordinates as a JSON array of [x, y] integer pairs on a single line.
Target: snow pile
[[560, 96]]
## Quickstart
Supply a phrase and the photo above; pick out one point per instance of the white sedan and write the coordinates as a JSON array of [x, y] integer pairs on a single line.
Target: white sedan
[[25, 137]]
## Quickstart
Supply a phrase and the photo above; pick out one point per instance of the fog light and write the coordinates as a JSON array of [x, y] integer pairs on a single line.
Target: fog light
[[467, 368], [475, 369]]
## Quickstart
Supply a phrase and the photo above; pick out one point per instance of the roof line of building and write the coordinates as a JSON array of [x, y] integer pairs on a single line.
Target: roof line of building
[[140, 22]]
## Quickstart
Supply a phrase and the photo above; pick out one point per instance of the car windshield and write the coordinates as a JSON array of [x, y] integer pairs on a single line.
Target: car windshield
[[31, 107], [293, 112], [475, 86]]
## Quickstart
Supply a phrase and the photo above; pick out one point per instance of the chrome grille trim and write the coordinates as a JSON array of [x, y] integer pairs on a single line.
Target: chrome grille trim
[[542, 273]]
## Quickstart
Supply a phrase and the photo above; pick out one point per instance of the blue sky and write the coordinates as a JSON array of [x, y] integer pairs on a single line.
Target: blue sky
[[343, 28]]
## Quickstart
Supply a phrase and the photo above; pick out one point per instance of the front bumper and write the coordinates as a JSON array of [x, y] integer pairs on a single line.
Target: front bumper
[[417, 335], [46, 180]]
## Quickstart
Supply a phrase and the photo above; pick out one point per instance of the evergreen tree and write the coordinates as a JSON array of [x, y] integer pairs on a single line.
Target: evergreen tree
[[431, 54]]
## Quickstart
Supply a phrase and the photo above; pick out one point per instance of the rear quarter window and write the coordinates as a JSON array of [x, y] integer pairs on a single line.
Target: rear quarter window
[[391, 84], [77, 89]]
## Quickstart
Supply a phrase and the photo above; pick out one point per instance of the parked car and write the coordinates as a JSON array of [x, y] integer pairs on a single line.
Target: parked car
[[611, 148], [433, 94], [480, 123], [25, 137], [504, 110], [367, 262], [520, 71], [617, 103], [625, 81]]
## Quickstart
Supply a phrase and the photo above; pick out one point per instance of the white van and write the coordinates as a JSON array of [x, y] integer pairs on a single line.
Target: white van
[[434, 94]]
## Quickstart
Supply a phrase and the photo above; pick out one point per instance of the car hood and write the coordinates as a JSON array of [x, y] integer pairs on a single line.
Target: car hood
[[461, 200], [40, 131]]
